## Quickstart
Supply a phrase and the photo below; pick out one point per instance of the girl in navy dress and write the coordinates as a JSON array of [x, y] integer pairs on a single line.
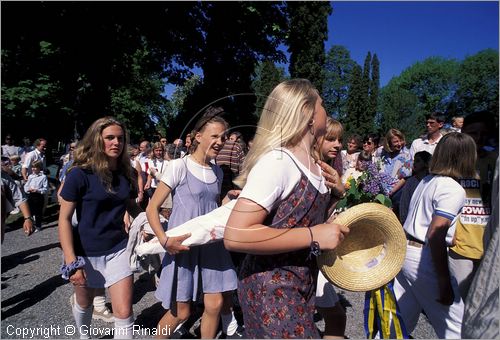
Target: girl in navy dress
[[100, 188]]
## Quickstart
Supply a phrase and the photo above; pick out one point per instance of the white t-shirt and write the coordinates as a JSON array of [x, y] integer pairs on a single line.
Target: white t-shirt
[[160, 165], [434, 195], [274, 176], [176, 171]]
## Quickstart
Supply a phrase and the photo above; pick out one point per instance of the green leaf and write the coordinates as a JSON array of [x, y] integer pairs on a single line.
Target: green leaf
[[384, 200]]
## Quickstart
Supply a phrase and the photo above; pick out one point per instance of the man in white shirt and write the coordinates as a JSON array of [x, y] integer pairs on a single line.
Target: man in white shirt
[[37, 154], [434, 123]]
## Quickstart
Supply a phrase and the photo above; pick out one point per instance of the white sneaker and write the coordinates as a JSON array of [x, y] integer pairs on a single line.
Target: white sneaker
[[104, 315], [15, 211]]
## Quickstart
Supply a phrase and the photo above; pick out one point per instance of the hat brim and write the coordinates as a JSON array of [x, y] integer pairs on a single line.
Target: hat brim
[[371, 254]]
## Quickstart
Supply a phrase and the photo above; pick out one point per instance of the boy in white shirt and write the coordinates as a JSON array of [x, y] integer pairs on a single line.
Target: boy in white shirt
[[36, 187]]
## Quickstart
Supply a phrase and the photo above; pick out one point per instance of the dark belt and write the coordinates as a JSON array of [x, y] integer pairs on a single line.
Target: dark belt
[[412, 241]]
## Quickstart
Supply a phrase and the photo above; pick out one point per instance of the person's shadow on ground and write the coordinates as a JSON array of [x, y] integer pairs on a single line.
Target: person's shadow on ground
[[30, 297]]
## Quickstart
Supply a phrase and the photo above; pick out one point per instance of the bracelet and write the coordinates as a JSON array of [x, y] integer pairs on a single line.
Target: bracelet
[[29, 218], [165, 243], [314, 247], [69, 269]]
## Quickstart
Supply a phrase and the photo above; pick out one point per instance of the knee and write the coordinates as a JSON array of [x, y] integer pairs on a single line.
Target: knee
[[182, 313], [122, 313], [213, 304]]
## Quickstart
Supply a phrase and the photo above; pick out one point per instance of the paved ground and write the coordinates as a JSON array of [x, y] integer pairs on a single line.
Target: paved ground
[[35, 300]]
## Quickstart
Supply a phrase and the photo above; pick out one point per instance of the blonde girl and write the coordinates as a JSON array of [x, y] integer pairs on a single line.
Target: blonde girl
[[157, 165], [328, 149], [277, 219]]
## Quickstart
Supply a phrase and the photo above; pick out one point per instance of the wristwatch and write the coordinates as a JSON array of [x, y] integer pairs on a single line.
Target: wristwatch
[[29, 218]]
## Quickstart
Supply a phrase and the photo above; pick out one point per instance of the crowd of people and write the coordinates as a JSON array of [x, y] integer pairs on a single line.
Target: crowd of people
[[441, 190]]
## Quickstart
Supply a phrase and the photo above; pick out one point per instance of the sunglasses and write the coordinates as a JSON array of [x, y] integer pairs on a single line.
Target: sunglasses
[[369, 143]]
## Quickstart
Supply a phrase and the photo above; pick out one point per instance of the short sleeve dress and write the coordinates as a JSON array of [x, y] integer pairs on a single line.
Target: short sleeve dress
[[211, 263], [276, 292]]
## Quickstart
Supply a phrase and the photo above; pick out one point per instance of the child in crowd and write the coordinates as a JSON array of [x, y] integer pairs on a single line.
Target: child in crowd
[[15, 165], [327, 301], [350, 154], [420, 170], [195, 182], [364, 157], [278, 217], [157, 165], [36, 187]]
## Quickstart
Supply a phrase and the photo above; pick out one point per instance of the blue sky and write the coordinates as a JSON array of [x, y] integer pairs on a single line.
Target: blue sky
[[404, 32]]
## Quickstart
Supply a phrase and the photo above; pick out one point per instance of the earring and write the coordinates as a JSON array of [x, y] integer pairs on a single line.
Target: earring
[[311, 122], [311, 128]]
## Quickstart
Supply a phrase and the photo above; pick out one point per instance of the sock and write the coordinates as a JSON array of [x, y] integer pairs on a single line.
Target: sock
[[83, 317], [229, 323], [100, 302], [124, 327]]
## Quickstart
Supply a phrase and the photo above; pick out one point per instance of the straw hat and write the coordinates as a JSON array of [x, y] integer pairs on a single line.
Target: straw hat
[[371, 254]]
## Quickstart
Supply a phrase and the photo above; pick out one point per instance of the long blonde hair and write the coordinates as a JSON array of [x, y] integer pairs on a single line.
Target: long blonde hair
[[157, 145], [89, 154], [285, 116], [334, 130], [454, 156]]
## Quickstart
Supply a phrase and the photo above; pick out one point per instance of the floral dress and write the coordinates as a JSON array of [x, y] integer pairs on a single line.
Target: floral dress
[[276, 292]]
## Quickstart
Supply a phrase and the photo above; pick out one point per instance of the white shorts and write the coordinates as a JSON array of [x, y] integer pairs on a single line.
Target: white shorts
[[106, 270], [325, 293]]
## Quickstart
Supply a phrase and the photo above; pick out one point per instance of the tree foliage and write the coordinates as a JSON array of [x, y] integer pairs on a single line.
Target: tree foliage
[[87, 60], [356, 102], [267, 76], [338, 69], [307, 34], [374, 87], [478, 83], [363, 97], [237, 36], [122, 53]]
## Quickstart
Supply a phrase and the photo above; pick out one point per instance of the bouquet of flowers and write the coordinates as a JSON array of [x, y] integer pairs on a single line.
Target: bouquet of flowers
[[370, 186]]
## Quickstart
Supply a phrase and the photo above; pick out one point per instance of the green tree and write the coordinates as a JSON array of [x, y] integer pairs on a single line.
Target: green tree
[[338, 69], [133, 102], [366, 119], [307, 35], [429, 86], [374, 87], [478, 83], [267, 76], [356, 104], [237, 36], [400, 110], [103, 44]]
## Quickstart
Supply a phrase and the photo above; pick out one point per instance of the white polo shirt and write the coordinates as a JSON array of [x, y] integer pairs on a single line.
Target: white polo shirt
[[423, 144], [435, 195]]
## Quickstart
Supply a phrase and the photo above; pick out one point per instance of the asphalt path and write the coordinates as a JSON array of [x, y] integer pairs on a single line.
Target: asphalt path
[[35, 299]]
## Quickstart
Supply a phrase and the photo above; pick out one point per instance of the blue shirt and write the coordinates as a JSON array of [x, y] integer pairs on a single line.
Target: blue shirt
[[38, 182], [99, 213]]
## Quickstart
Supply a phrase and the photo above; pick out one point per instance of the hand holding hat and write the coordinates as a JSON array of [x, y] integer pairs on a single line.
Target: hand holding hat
[[372, 253]]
